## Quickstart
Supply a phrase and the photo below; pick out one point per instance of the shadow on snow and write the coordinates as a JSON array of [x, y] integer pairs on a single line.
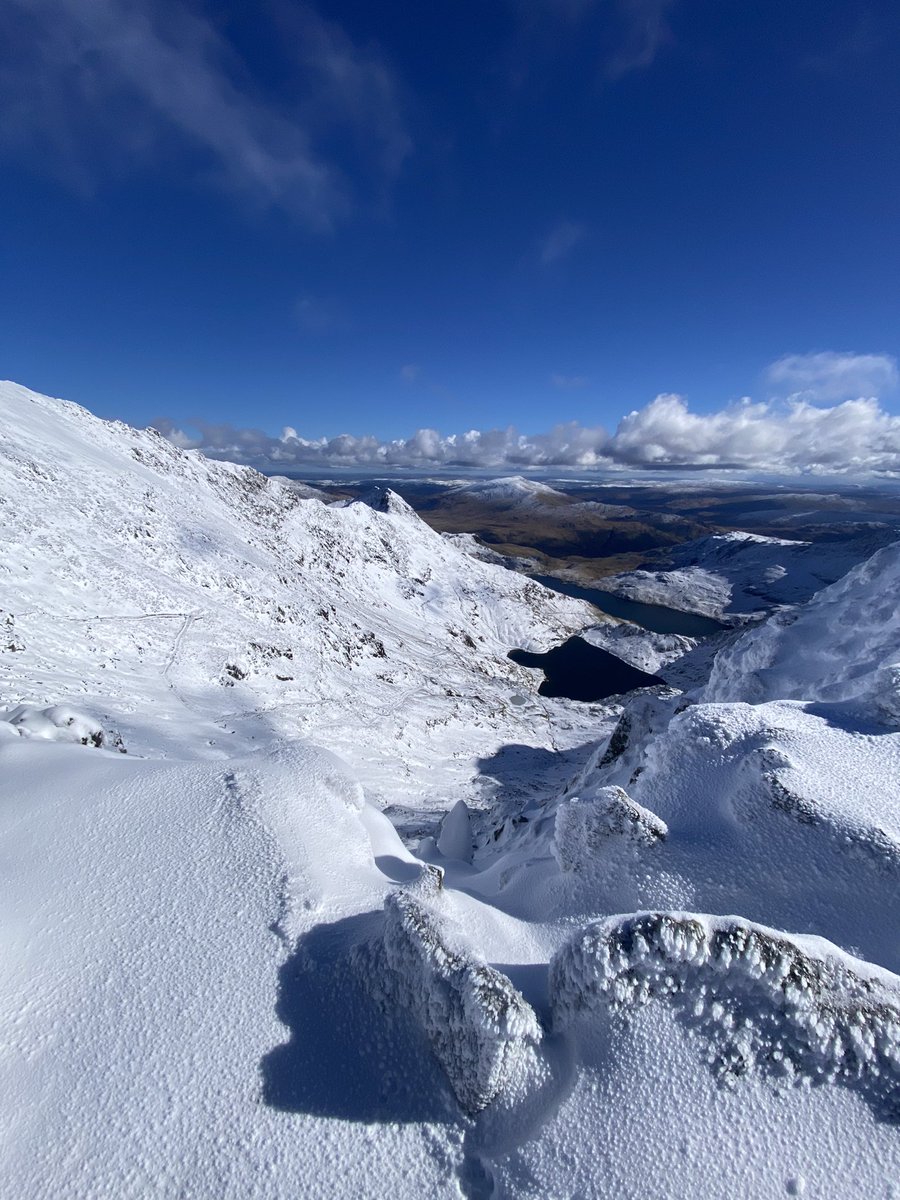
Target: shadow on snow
[[347, 1057]]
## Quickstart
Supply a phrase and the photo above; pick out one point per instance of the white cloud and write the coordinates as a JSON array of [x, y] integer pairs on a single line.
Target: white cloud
[[560, 241], [833, 376], [855, 436], [410, 373], [96, 87]]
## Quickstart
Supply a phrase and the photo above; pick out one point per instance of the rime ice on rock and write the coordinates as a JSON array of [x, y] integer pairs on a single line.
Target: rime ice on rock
[[477, 1024], [771, 1004], [586, 826]]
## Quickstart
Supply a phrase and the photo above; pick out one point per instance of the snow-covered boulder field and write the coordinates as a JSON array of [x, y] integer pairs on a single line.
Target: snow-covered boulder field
[[650, 951]]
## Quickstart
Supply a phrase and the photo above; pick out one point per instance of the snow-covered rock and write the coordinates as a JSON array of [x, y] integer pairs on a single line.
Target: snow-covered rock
[[59, 723], [455, 839], [650, 652], [586, 826], [478, 1025], [790, 1008]]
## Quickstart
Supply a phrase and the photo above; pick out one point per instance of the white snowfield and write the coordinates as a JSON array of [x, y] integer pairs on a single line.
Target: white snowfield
[[509, 491], [661, 963], [734, 575]]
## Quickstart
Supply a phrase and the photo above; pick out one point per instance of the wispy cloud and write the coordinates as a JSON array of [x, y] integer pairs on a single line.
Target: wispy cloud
[[319, 315], [410, 372], [833, 376], [791, 436], [629, 35], [98, 88], [644, 32], [568, 382], [560, 241]]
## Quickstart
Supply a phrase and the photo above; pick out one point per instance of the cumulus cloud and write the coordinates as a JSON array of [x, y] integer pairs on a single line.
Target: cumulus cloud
[[834, 376], [96, 88], [855, 436]]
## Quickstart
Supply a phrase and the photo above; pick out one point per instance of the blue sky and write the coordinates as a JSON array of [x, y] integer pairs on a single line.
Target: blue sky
[[376, 217]]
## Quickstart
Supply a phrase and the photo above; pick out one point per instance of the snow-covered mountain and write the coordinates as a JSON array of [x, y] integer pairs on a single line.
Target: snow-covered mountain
[[148, 582], [509, 491], [643, 942], [735, 574]]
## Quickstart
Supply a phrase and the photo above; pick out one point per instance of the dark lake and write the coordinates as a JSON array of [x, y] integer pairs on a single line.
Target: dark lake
[[650, 616], [583, 672]]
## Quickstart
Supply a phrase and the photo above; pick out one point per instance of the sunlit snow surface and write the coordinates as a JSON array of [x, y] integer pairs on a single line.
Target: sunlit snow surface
[[653, 964]]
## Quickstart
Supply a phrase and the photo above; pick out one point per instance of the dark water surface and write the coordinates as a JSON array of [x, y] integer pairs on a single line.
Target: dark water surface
[[581, 671], [650, 616]]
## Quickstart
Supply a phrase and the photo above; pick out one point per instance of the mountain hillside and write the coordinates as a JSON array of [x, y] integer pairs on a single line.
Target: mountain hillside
[[737, 574], [142, 580], [617, 947]]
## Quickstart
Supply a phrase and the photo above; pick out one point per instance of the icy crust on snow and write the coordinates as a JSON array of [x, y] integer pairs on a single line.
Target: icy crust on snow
[[767, 1003], [478, 1025], [842, 646]]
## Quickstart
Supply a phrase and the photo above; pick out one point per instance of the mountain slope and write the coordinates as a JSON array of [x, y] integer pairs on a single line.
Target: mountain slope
[[844, 645], [146, 580], [639, 953], [737, 574]]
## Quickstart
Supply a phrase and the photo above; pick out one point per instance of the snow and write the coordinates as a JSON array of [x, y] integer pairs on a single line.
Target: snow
[[842, 646], [585, 826], [58, 723], [734, 575], [801, 1011], [509, 491], [251, 613], [617, 952], [479, 1027], [455, 840], [650, 652]]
